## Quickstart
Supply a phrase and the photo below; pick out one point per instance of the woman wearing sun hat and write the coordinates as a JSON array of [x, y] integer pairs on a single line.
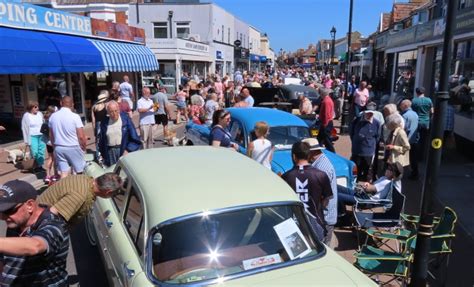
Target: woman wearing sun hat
[[99, 113]]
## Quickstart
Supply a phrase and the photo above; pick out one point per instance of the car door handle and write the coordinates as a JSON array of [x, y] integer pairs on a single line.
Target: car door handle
[[108, 223], [129, 272]]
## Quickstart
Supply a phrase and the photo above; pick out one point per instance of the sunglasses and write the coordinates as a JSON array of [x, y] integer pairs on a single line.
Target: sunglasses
[[12, 210], [224, 115]]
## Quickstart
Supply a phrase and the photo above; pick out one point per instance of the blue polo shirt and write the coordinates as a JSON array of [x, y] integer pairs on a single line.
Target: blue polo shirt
[[411, 125]]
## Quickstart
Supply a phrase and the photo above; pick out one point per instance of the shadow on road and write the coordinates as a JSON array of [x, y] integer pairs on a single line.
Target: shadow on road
[[89, 266]]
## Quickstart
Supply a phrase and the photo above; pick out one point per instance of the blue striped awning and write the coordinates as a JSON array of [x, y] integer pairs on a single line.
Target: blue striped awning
[[125, 57], [34, 52]]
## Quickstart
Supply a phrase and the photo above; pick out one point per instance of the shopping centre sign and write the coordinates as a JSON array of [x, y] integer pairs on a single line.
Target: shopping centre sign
[[40, 18]]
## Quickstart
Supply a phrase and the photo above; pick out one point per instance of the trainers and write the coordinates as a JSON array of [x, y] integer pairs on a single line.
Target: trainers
[[47, 180]]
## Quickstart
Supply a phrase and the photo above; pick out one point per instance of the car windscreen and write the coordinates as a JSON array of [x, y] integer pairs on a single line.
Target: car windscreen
[[234, 243], [283, 137]]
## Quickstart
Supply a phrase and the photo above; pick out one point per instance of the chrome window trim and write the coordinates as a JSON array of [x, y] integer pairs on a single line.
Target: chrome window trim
[[148, 252]]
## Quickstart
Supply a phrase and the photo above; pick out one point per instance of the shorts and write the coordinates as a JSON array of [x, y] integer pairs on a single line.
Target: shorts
[[67, 157], [181, 105], [161, 119]]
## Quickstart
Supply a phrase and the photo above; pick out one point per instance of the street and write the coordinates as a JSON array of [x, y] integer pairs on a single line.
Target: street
[[85, 265]]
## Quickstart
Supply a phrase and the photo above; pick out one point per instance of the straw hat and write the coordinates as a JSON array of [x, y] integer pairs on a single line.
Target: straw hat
[[102, 98]]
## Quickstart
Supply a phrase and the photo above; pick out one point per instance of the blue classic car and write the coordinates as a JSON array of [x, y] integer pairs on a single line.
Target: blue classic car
[[285, 130]]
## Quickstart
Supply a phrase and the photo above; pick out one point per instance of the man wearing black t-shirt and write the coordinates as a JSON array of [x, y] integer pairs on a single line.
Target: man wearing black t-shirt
[[311, 184]]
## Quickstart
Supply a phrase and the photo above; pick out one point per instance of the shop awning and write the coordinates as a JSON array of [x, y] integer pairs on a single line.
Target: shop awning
[[125, 57], [32, 52]]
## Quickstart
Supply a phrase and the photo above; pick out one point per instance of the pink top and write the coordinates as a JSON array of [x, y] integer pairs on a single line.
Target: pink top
[[328, 84], [361, 97]]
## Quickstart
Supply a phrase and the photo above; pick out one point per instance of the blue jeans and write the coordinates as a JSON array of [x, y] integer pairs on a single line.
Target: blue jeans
[[345, 195]]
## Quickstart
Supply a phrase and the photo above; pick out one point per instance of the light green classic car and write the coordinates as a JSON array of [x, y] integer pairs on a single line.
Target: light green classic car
[[200, 215]]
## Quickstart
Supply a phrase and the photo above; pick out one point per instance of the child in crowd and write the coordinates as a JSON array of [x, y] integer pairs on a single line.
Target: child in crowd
[[261, 149], [50, 162], [181, 97]]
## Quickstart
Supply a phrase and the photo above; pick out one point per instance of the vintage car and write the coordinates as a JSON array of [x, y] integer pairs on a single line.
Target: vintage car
[[285, 130], [284, 94], [202, 216]]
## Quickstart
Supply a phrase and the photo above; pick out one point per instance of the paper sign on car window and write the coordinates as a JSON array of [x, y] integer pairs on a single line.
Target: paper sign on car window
[[292, 239], [261, 261]]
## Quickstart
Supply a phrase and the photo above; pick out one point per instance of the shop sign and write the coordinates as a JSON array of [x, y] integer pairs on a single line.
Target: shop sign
[[5, 97], [381, 41], [40, 18], [465, 20], [425, 31], [401, 38], [194, 46], [118, 31], [439, 27]]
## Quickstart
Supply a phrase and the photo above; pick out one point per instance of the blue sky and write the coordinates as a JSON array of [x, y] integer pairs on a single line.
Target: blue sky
[[293, 24]]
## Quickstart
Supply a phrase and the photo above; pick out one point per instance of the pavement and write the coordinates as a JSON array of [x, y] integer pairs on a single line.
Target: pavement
[[455, 189], [81, 255]]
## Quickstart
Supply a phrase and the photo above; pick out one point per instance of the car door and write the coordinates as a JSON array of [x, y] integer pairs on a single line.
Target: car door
[[106, 212], [127, 237]]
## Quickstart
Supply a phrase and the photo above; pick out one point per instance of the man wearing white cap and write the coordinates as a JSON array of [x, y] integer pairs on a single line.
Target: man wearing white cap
[[320, 161]]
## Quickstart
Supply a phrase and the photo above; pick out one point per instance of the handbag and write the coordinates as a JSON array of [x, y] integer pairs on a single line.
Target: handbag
[[27, 163], [44, 129]]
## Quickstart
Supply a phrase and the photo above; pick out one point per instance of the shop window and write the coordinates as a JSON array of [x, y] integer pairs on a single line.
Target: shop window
[[160, 30], [183, 29], [51, 88]]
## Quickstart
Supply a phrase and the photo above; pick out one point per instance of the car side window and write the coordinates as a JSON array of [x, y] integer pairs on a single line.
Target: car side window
[[119, 199], [237, 133], [133, 220]]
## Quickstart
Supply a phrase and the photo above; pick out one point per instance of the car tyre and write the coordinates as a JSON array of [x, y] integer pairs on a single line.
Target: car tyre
[[90, 231]]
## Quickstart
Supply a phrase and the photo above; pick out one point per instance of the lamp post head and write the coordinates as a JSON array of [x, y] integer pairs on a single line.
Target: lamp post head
[[170, 14], [333, 32]]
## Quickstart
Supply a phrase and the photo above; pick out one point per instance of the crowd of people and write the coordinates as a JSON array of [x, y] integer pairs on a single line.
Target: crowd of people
[[35, 249]]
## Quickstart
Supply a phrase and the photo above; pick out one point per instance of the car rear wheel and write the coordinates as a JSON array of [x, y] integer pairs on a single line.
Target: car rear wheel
[[90, 231]]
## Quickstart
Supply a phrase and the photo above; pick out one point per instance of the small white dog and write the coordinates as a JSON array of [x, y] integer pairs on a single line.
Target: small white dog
[[15, 155]]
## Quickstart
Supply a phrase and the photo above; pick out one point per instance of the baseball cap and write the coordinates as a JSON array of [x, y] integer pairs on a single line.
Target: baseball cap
[[313, 143], [14, 192]]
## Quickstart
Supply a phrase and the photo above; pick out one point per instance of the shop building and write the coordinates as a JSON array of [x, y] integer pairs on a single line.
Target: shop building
[[47, 54], [411, 57], [241, 46]]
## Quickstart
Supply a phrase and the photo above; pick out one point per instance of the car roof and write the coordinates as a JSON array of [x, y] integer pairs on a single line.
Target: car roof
[[178, 181], [273, 117], [298, 88]]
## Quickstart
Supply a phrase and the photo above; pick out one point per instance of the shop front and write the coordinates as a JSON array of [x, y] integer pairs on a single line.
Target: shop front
[[40, 64], [178, 56], [241, 59], [254, 63]]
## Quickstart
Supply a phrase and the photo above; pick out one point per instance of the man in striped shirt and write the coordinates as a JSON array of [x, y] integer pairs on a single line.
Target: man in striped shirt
[[72, 197], [320, 161], [35, 250]]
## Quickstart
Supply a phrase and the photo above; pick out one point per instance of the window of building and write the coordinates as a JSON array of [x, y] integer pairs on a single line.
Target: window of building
[[160, 30], [228, 35], [222, 39], [183, 29]]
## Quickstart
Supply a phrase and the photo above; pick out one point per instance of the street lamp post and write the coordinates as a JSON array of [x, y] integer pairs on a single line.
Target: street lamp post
[[345, 107], [425, 226], [333, 35]]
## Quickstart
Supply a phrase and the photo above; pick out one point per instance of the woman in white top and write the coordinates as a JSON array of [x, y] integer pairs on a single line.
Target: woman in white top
[[261, 149], [32, 136]]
